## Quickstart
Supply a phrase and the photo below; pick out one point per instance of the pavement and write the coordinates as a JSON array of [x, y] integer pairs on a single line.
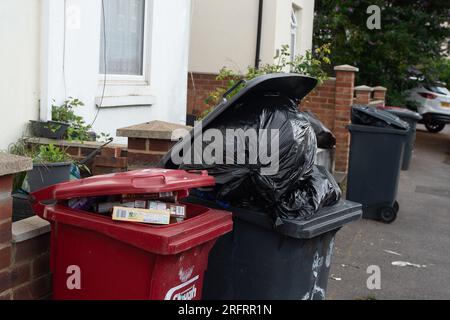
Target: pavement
[[420, 236]]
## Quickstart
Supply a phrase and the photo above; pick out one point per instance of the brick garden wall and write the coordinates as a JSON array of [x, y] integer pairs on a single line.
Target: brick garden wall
[[5, 236], [321, 102], [30, 271], [24, 265], [200, 86]]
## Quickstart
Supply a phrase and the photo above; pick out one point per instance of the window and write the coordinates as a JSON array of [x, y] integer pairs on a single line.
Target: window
[[294, 32], [124, 67], [123, 34]]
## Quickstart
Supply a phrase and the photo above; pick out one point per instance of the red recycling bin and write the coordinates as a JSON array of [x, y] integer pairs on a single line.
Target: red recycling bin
[[95, 257]]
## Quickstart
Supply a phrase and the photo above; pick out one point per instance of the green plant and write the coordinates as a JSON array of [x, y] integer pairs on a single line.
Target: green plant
[[310, 64], [103, 137], [412, 32], [78, 130], [20, 148], [51, 154]]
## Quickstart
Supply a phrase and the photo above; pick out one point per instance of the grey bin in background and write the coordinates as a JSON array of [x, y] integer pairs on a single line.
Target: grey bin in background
[[377, 143], [412, 118]]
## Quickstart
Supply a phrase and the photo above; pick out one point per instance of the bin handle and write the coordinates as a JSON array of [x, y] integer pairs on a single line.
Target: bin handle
[[36, 199], [229, 91]]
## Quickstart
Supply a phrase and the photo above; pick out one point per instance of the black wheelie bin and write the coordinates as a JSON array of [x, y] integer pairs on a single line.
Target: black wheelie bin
[[376, 155], [263, 258], [412, 118]]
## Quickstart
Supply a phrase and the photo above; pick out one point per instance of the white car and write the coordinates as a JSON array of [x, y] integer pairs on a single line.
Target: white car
[[433, 104]]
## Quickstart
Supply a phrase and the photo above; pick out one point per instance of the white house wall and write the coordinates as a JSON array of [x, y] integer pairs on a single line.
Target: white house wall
[[223, 32], [19, 65], [168, 67], [283, 18]]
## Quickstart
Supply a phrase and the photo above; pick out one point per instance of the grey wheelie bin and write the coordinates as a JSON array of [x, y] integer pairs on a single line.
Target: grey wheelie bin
[[376, 154], [257, 262], [412, 118], [267, 256]]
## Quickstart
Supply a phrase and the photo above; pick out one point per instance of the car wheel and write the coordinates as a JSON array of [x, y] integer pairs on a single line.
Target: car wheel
[[434, 127]]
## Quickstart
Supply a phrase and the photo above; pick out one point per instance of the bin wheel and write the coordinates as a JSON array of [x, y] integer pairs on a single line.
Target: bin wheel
[[388, 214], [396, 207]]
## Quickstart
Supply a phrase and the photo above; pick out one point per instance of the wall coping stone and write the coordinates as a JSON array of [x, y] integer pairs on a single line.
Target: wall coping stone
[[346, 67], [363, 88], [29, 228], [78, 144], [10, 164], [152, 130]]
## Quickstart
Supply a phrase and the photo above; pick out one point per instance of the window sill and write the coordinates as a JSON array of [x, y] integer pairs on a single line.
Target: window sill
[[125, 101]]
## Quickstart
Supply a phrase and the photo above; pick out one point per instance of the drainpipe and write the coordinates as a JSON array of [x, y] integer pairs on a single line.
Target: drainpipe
[[258, 35]]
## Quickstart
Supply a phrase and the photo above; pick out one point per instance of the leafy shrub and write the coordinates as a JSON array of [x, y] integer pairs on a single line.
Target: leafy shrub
[[78, 130], [310, 64]]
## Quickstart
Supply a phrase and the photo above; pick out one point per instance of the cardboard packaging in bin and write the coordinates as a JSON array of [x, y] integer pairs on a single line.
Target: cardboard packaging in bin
[[95, 257]]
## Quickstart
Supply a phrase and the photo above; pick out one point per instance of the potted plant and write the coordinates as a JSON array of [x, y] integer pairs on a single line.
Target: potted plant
[[77, 128], [65, 124], [48, 129], [51, 165]]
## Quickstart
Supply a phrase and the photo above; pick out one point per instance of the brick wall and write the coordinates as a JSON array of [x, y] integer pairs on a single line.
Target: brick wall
[[22, 267], [5, 236], [321, 102], [30, 270], [146, 152], [200, 85], [111, 158]]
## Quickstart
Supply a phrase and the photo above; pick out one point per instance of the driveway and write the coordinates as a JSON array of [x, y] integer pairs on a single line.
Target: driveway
[[420, 235]]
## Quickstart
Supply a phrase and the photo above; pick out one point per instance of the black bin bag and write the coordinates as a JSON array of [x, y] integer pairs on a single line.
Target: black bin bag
[[237, 182], [325, 138], [374, 117], [266, 105], [319, 190]]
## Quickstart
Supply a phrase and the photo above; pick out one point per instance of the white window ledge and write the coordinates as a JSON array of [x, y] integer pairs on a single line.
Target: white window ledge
[[125, 101], [29, 228]]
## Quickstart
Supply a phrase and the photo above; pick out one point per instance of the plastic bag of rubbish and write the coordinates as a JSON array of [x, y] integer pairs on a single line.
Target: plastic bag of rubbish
[[370, 116], [325, 138], [276, 142], [319, 190]]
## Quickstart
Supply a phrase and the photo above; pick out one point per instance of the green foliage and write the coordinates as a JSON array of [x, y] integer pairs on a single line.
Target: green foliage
[[51, 154], [310, 64], [436, 70], [411, 33], [20, 148], [103, 137], [78, 130]]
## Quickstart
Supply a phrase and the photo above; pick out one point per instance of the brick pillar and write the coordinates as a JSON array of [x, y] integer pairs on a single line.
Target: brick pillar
[[379, 93], [9, 165], [363, 94], [345, 81], [149, 142]]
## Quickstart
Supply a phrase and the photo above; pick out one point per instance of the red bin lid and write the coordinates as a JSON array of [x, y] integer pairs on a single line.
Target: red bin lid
[[139, 181]]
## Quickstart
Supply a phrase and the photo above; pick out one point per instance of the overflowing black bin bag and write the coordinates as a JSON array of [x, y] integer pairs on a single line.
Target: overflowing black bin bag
[[319, 190], [297, 189], [325, 138], [370, 116], [297, 149]]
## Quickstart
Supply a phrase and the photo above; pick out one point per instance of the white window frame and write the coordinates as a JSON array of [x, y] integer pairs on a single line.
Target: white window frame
[[130, 90], [294, 30]]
